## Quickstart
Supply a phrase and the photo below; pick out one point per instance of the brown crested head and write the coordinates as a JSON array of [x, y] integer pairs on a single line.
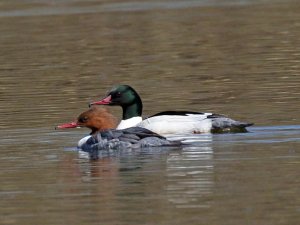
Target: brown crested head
[[97, 119]]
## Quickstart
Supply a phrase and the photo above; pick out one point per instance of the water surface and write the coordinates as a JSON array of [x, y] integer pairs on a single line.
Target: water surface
[[239, 58]]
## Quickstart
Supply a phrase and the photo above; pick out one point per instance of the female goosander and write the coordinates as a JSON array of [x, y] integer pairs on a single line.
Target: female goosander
[[96, 118], [167, 122], [104, 137]]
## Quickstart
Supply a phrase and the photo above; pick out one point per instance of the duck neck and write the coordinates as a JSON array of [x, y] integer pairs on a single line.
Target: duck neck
[[94, 130], [132, 110]]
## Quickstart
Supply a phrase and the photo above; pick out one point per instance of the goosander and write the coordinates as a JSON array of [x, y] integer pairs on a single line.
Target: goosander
[[96, 118], [104, 137], [167, 122]]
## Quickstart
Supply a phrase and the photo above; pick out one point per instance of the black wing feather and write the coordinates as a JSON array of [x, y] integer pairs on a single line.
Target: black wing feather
[[176, 113]]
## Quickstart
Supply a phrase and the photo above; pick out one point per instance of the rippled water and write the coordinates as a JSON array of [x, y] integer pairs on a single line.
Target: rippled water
[[239, 58]]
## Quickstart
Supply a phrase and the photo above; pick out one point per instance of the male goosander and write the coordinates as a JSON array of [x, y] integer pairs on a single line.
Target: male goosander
[[104, 137], [167, 122]]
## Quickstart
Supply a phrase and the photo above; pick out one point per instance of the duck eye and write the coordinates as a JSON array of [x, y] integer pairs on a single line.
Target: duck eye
[[118, 94], [83, 119]]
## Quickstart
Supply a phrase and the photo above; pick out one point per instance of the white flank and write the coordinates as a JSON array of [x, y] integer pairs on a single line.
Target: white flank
[[176, 124], [129, 122], [82, 141]]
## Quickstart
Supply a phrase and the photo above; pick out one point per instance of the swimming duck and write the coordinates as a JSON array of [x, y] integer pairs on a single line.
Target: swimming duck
[[104, 137], [96, 118], [167, 122]]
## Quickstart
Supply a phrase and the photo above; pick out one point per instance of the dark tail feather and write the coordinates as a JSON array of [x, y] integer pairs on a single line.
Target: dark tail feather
[[227, 125], [244, 124]]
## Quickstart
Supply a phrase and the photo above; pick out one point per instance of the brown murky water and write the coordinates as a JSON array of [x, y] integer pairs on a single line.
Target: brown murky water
[[239, 58]]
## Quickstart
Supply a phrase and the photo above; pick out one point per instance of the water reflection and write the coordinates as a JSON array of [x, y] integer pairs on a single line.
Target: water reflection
[[189, 172], [190, 177], [164, 179], [186, 173]]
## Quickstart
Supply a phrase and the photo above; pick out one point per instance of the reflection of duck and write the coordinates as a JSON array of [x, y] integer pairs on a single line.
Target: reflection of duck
[[168, 122], [102, 137]]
